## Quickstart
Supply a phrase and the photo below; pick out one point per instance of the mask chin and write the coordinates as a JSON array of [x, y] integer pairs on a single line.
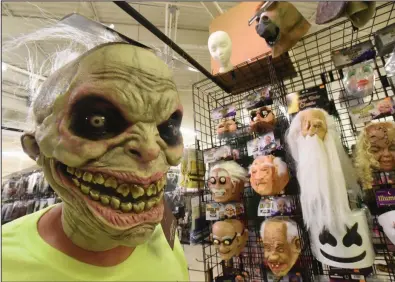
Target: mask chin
[[268, 31]]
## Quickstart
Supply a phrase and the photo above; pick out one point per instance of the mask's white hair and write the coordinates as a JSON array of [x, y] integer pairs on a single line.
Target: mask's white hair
[[292, 228], [74, 42], [237, 173], [281, 166], [324, 173]]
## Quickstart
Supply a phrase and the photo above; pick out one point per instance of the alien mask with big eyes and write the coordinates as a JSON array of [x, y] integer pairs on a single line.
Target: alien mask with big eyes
[[107, 130]]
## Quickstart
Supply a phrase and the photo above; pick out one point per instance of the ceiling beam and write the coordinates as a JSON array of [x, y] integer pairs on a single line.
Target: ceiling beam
[[212, 8], [7, 10]]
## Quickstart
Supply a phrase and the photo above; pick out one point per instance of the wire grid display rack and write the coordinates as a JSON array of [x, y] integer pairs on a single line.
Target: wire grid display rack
[[311, 58]]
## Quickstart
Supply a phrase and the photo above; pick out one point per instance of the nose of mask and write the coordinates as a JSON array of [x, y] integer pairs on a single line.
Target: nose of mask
[[269, 31]]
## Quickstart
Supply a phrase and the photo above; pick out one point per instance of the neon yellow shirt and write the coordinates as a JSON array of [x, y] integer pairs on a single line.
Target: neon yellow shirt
[[27, 257]]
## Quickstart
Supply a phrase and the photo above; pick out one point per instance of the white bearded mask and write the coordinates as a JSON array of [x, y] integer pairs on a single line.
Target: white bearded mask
[[324, 170], [107, 130], [350, 249]]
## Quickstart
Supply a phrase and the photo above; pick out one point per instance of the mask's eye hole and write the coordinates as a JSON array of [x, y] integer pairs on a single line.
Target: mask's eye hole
[[352, 237], [327, 238], [169, 131], [216, 242], [227, 242], [222, 180], [95, 118]]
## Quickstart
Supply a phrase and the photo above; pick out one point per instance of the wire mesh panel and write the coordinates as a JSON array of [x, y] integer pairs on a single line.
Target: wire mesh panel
[[308, 64]]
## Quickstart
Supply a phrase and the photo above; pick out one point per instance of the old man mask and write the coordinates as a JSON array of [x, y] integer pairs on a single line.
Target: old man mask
[[324, 170], [229, 237], [226, 181], [107, 130], [269, 175], [281, 244]]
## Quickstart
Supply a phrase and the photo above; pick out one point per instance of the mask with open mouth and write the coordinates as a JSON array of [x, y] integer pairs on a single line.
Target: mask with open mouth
[[106, 142]]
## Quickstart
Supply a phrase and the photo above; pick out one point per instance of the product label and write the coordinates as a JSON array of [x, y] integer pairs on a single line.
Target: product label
[[169, 225], [221, 211], [374, 110], [223, 112], [263, 145], [314, 97], [355, 54], [385, 197]]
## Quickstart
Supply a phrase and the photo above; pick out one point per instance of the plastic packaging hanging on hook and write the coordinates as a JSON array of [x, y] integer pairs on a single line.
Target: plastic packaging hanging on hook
[[390, 65], [359, 80]]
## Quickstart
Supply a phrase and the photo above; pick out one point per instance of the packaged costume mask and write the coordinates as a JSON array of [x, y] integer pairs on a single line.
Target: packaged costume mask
[[387, 221], [350, 249], [324, 170], [269, 175], [99, 151], [375, 150], [226, 126], [229, 237], [359, 80], [226, 181], [281, 245], [281, 25]]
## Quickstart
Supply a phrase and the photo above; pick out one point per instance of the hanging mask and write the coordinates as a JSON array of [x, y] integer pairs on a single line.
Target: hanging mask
[[281, 244], [281, 25], [359, 80], [262, 120], [269, 175], [351, 248], [229, 238], [387, 221], [226, 181]]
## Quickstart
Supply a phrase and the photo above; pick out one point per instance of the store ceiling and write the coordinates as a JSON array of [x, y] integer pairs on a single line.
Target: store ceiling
[[192, 33]]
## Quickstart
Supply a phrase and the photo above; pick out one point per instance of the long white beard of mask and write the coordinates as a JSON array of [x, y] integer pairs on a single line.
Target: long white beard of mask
[[323, 189]]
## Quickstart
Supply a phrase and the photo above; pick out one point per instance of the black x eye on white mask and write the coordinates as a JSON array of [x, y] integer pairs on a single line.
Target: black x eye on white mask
[[351, 248]]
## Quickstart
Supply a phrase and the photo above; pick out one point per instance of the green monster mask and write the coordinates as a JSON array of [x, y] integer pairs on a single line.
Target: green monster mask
[[107, 130]]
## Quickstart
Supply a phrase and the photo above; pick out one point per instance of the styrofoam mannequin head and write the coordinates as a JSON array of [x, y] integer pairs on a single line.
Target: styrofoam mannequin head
[[220, 47]]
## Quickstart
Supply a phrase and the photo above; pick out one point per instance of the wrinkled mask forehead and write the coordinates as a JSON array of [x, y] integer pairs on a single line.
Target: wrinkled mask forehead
[[133, 78], [218, 172]]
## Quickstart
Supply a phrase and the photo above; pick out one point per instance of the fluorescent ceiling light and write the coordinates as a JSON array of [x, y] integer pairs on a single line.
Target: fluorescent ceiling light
[[111, 26], [20, 154], [3, 66], [192, 69]]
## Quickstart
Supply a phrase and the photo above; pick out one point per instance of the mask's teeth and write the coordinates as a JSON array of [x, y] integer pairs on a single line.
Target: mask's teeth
[[151, 190], [78, 173], [123, 189], [76, 182], [85, 189], [115, 202], [126, 207], [98, 178], [136, 191], [111, 182], [161, 184], [71, 170], [95, 195], [105, 200], [87, 177], [150, 203], [138, 208]]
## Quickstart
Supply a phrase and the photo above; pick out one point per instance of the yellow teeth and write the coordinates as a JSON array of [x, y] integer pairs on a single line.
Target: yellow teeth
[[138, 208], [70, 170], [150, 204], [115, 202], [98, 178], [126, 207], [85, 189], [76, 182], [95, 195], [87, 177], [151, 190], [111, 182], [136, 191], [105, 200], [78, 173], [123, 189]]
